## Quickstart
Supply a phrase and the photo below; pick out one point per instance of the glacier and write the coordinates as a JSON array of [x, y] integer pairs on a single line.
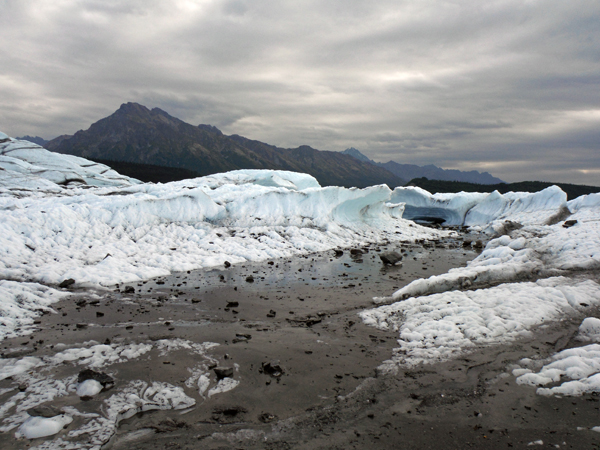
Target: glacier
[[64, 217]]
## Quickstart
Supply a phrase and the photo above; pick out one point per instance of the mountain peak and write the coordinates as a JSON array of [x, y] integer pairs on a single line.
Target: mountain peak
[[136, 134], [131, 107], [35, 139], [356, 154]]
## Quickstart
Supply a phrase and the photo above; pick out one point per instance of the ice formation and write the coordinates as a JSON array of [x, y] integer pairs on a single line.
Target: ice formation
[[473, 208], [444, 316], [120, 402], [63, 217], [574, 371], [107, 229], [26, 168], [439, 326]]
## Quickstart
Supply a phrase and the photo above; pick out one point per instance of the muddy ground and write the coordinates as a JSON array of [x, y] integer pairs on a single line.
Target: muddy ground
[[302, 314]]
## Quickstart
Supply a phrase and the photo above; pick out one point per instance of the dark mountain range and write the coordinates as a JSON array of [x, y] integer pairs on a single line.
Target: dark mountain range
[[434, 186], [36, 140], [136, 134], [410, 171]]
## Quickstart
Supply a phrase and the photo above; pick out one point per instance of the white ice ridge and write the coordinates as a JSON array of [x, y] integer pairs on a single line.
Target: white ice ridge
[[20, 303], [473, 208], [534, 250], [97, 421], [26, 168], [441, 326], [107, 235], [581, 365]]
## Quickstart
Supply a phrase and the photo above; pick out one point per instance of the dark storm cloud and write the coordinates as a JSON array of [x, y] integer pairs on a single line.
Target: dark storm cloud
[[511, 87]]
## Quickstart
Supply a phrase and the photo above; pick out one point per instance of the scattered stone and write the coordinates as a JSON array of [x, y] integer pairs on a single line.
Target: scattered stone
[[46, 411], [232, 304], [81, 303], [306, 321], [273, 368], [478, 244], [241, 338], [129, 290], [88, 374], [229, 414], [390, 258], [66, 283], [249, 279], [169, 425], [223, 372], [99, 314], [267, 417], [338, 253], [271, 313], [569, 223], [22, 387], [227, 264], [356, 251], [81, 326]]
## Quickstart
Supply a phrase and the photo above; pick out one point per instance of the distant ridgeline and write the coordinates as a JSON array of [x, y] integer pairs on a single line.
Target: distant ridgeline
[[410, 171], [435, 186], [144, 139]]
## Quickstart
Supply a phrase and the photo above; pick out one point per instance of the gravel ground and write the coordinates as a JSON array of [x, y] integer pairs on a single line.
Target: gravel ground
[[300, 314]]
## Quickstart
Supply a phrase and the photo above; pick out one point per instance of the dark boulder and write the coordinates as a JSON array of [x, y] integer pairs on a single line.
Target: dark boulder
[[223, 372], [272, 368], [46, 411], [66, 283], [390, 258]]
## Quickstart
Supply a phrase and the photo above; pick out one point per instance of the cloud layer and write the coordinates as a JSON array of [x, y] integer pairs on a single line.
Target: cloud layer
[[510, 87]]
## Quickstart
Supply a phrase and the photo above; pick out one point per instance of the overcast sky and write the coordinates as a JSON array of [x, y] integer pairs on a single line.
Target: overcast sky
[[509, 87]]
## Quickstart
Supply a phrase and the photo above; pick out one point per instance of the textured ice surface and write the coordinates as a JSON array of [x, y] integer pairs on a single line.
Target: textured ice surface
[[104, 231], [535, 250], [440, 326], [124, 400], [577, 370], [439, 317], [20, 303], [589, 330], [473, 208], [26, 168], [36, 427], [88, 388]]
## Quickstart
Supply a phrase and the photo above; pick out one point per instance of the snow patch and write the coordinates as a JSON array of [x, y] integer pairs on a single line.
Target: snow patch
[[441, 326]]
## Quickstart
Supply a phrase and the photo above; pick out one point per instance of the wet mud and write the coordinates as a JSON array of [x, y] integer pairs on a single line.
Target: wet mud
[[306, 364]]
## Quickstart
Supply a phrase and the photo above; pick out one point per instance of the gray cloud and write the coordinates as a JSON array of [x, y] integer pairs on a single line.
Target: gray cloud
[[506, 86]]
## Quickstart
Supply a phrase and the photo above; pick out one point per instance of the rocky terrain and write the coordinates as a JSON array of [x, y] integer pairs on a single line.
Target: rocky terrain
[[136, 134]]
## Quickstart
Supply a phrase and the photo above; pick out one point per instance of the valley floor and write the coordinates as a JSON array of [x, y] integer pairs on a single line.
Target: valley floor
[[304, 366]]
